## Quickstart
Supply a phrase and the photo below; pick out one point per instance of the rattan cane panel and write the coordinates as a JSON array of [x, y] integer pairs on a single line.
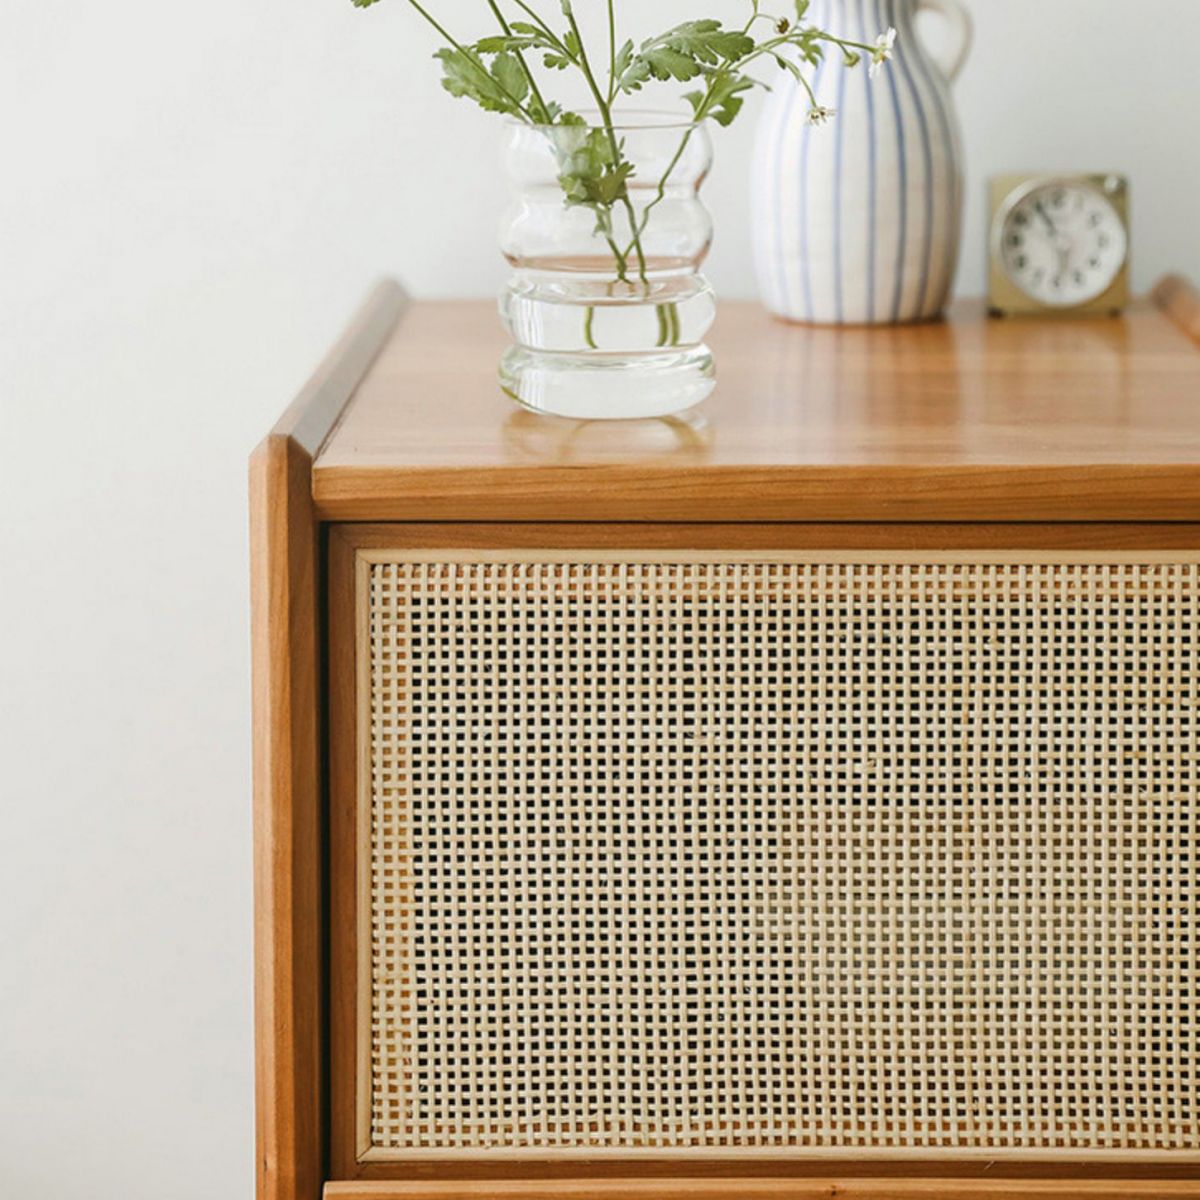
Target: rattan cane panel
[[783, 856]]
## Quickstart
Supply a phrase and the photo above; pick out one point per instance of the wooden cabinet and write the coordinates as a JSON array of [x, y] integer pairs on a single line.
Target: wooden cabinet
[[794, 800]]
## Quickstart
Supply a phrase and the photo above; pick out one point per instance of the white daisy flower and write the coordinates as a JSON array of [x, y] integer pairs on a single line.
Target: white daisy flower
[[819, 114], [884, 45]]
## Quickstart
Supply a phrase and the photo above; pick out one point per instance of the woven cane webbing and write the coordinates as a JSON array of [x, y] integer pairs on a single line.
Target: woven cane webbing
[[786, 856]]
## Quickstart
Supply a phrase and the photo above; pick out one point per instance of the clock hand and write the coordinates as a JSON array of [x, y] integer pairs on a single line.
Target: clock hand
[[1041, 212], [1062, 243]]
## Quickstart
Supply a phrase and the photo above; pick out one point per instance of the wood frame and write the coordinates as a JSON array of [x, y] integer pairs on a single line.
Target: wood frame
[[296, 675], [769, 1189], [286, 589], [1180, 300], [865, 495], [351, 549]]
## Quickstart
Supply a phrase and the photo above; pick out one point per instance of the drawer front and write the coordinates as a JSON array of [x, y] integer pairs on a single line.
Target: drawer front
[[663, 854]]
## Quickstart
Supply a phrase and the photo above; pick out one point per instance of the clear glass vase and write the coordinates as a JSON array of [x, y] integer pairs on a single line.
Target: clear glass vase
[[606, 233]]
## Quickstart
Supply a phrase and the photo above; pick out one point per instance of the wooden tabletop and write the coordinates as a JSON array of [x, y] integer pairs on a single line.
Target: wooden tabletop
[[971, 419]]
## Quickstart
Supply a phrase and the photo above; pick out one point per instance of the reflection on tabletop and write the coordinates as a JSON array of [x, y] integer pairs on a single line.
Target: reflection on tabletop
[[533, 437]]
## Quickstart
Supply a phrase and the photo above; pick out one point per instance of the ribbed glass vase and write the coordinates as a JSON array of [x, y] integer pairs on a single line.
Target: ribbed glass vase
[[606, 234]]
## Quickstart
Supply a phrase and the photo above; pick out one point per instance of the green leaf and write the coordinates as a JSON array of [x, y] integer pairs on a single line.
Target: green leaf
[[590, 171], [507, 72], [467, 78], [624, 59], [665, 63], [557, 60], [691, 49], [612, 185], [363, 3], [522, 37], [723, 100], [707, 42], [730, 105], [501, 44], [634, 75]]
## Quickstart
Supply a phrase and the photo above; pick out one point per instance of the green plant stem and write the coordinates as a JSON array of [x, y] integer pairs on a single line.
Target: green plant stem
[[661, 191], [789, 39], [606, 117], [604, 224], [589, 322], [821, 36], [612, 53], [669, 330]]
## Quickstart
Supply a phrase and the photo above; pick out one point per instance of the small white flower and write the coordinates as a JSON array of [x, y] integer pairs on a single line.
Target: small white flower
[[819, 114], [884, 44]]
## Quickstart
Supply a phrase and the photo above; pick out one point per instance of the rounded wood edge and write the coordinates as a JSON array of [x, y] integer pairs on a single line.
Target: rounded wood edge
[[771, 1189], [1179, 299], [1071, 493], [314, 413]]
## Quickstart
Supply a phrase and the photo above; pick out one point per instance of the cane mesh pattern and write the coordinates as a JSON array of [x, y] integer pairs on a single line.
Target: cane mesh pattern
[[782, 856]]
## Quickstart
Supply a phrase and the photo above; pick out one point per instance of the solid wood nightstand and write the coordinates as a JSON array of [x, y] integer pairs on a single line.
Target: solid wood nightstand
[[794, 799]]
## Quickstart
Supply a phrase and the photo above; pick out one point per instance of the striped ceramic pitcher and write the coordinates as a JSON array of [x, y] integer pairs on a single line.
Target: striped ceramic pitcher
[[858, 222]]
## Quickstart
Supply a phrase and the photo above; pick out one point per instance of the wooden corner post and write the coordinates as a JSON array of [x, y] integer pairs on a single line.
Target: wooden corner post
[[285, 539]]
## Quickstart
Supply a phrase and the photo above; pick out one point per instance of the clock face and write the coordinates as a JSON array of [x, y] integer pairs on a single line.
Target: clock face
[[1063, 244]]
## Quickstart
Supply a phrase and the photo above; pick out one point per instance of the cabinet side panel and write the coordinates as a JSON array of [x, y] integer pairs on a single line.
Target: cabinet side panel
[[286, 594], [287, 806]]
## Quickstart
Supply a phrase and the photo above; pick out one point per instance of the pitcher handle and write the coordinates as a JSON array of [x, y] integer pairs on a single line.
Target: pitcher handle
[[960, 21]]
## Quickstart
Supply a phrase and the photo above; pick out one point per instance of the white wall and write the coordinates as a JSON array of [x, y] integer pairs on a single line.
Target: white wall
[[193, 198]]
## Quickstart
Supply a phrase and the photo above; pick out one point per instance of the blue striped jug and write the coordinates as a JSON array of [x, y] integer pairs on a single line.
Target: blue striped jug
[[858, 221]]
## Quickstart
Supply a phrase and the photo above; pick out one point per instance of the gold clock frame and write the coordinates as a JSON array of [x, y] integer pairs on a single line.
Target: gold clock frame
[[1005, 298]]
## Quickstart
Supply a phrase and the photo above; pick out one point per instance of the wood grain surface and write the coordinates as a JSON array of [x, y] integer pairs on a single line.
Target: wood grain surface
[[969, 419]]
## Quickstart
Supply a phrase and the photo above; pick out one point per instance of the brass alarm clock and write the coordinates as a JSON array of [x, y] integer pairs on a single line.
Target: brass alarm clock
[[1059, 245]]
